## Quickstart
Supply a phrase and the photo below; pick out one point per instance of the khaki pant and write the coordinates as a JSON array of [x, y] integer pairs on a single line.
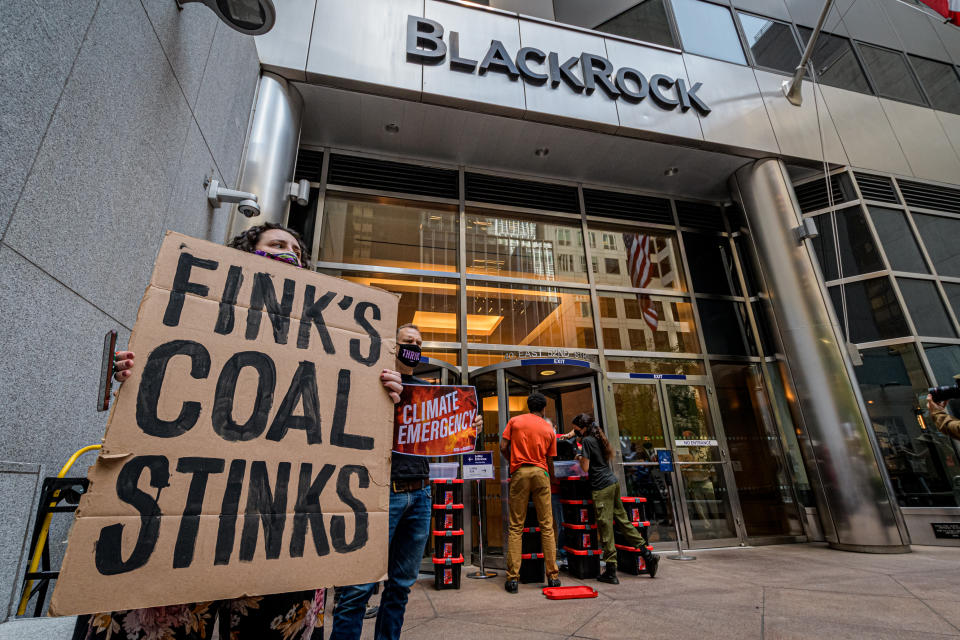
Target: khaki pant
[[530, 483], [609, 511]]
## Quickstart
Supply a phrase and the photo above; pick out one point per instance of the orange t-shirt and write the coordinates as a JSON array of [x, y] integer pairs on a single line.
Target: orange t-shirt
[[532, 440]]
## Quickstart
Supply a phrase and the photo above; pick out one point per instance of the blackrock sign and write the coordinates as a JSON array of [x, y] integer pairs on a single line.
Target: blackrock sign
[[425, 45]]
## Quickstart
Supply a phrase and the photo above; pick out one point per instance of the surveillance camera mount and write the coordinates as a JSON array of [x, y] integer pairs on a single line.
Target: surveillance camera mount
[[240, 16], [246, 202], [299, 192]]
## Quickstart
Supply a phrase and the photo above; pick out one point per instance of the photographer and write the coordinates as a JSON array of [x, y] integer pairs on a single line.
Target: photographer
[[945, 423]]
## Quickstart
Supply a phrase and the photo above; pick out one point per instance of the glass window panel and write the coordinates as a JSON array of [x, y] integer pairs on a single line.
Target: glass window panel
[[711, 263], [858, 253], [708, 29], [920, 460], [530, 316], [944, 359], [646, 21], [926, 308], [939, 236], [890, 73], [873, 308], [745, 252], [941, 82], [656, 264], [764, 326], [725, 328], [758, 461], [524, 247], [389, 233], [772, 43], [953, 296], [897, 239], [835, 63], [429, 303], [655, 365], [649, 323]]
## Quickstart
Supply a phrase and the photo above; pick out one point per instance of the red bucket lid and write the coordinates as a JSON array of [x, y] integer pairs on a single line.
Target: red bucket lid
[[628, 499], [531, 529], [447, 507], [576, 502], [447, 481], [446, 533], [583, 552], [569, 525], [531, 556], [457, 560]]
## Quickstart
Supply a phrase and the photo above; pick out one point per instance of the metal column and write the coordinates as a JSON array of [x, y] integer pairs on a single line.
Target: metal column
[[854, 499], [271, 151]]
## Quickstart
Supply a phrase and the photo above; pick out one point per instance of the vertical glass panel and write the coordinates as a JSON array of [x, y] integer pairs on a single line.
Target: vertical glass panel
[[926, 308], [648, 323], [939, 236], [711, 263], [641, 434], [771, 43], [389, 233], [526, 315], [626, 257], [708, 29], [920, 460], [890, 73], [756, 456], [873, 310], [953, 296], [429, 303], [707, 497], [490, 499], [725, 328], [944, 359], [646, 21], [747, 262], [858, 254], [788, 419], [897, 239], [941, 82], [835, 63], [656, 365], [524, 247], [764, 325]]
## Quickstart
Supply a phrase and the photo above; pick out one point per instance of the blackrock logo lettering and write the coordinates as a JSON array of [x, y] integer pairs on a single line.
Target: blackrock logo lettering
[[425, 45]]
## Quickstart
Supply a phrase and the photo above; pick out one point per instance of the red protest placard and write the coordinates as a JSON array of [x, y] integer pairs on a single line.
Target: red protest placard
[[435, 420]]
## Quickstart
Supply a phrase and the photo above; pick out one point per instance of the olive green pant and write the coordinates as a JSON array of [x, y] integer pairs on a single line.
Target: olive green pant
[[609, 511]]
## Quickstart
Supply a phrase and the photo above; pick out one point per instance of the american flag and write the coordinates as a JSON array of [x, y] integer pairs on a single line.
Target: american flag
[[640, 266]]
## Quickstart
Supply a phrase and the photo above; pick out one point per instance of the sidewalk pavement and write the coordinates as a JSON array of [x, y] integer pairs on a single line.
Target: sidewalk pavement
[[782, 591]]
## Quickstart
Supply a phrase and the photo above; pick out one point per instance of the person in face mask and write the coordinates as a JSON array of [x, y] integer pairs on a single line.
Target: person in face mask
[[268, 617], [410, 513]]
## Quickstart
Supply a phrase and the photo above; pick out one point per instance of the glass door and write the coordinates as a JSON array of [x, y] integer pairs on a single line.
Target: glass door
[[679, 416]]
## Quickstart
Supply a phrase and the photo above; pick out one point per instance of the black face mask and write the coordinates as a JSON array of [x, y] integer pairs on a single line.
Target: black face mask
[[408, 354]]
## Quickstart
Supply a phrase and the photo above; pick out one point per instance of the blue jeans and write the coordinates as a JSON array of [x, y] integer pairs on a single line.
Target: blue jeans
[[409, 527]]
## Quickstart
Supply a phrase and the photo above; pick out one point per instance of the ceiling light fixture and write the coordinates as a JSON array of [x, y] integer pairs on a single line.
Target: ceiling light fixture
[[671, 171], [392, 127], [541, 152], [547, 372]]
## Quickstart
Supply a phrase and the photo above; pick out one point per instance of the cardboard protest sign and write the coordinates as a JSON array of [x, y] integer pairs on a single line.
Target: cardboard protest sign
[[435, 420], [248, 454]]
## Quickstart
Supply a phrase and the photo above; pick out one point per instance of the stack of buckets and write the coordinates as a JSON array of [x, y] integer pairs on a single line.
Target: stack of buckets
[[579, 533], [531, 549], [447, 533]]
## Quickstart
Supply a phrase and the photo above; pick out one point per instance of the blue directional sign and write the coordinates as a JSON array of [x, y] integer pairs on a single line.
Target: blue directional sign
[[665, 458], [478, 465]]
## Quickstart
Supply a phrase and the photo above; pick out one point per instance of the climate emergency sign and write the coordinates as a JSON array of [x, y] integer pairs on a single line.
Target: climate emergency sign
[[248, 454], [433, 420]]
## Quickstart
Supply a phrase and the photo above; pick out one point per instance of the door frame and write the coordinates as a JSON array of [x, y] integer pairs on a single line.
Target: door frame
[[661, 382]]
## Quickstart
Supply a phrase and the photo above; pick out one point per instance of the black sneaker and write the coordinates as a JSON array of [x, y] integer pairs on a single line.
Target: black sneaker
[[553, 582], [652, 561], [511, 586], [371, 612], [609, 575]]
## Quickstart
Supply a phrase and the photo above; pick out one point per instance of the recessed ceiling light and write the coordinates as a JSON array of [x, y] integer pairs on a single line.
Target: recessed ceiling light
[[671, 171], [547, 372], [392, 127], [541, 152]]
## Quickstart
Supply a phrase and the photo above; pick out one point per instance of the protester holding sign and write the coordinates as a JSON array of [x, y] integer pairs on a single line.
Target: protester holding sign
[[595, 460], [410, 513], [281, 616]]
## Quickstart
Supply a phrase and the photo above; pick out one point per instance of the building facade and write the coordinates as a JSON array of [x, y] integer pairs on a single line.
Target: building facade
[[602, 201]]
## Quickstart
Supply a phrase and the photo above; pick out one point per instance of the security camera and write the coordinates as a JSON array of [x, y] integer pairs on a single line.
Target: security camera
[[246, 202], [249, 17]]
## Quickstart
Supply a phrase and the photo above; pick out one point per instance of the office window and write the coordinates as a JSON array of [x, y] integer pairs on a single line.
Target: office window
[[708, 29], [725, 328], [940, 81], [890, 73], [711, 264], [944, 359], [771, 43], [611, 266], [873, 309], [646, 21], [858, 254], [897, 240], [939, 236], [835, 63], [926, 308], [953, 297]]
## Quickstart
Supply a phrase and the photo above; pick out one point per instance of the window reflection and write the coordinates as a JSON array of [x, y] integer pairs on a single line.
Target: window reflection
[[524, 247], [656, 365], [926, 308], [632, 258], [873, 308], [858, 254], [940, 239], [898, 241], [941, 82], [835, 63], [890, 73], [708, 29], [711, 264], [771, 43], [646, 21], [389, 233], [920, 460], [648, 323], [529, 315], [726, 328], [944, 359]]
